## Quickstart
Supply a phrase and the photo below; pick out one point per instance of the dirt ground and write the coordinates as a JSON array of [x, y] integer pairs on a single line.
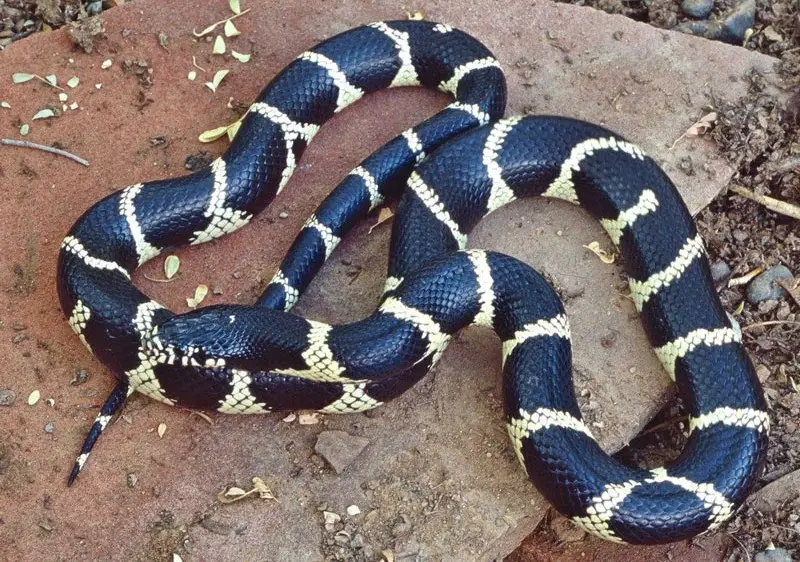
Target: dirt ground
[[759, 136]]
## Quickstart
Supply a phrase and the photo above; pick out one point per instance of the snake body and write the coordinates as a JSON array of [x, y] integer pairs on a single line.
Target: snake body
[[449, 172]]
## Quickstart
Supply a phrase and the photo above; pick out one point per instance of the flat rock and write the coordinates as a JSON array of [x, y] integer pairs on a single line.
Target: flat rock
[[339, 448], [765, 286], [776, 494], [439, 454]]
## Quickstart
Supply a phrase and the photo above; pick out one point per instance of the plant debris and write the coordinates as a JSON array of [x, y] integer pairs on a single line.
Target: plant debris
[[235, 494]]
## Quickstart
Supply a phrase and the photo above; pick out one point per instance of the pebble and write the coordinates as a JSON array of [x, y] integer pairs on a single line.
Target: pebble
[[48, 428], [331, 519], [720, 271], [131, 479], [81, 376], [283, 215], [7, 397], [19, 338], [339, 448], [353, 510], [764, 288], [774, 555], [697, 8], [730, 28]]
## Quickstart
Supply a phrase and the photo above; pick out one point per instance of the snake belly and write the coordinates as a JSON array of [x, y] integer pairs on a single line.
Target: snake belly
[[240, 359]]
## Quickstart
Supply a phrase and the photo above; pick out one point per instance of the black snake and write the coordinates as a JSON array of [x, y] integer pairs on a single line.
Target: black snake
[[256, 359]]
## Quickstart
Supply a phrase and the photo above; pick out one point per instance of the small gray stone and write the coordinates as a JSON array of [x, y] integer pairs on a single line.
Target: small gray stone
[[48, 428], [697, 8], [774, 555], [80, 377], [7, 397], [720, 271], [339, 448], [730, 27], [736, 22], [764, 287]]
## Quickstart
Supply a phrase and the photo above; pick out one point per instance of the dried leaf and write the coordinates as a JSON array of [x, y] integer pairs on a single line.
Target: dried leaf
[[232, 129], [702, 125], [20, 77], [605, 257], [207, 30], [213, 26], [219, 45], [230, 29], [162, 429], [219, 75], [415, 16], [73, 82], [290, 418], [176, 558], [262, 489], [388, 555], [235, 8], [44, 114], [5, 105], [772, 35], [241, 57], [383, 215], [33, 397], [171, 265], [199, 294], [212, 134]]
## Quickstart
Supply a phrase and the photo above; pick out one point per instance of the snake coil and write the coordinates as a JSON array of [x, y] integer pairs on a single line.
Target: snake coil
[[449, 172]]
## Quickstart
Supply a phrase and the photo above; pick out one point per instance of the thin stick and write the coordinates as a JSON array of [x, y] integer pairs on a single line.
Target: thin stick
[[50, 149], [769, 323], [770, 203], [744, 549]]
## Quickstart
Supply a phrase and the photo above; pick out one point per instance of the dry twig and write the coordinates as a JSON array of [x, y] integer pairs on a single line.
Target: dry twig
[[770, 203], [50, 149]]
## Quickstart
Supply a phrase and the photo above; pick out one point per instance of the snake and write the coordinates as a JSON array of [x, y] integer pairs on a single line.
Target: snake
[[445, 174]]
